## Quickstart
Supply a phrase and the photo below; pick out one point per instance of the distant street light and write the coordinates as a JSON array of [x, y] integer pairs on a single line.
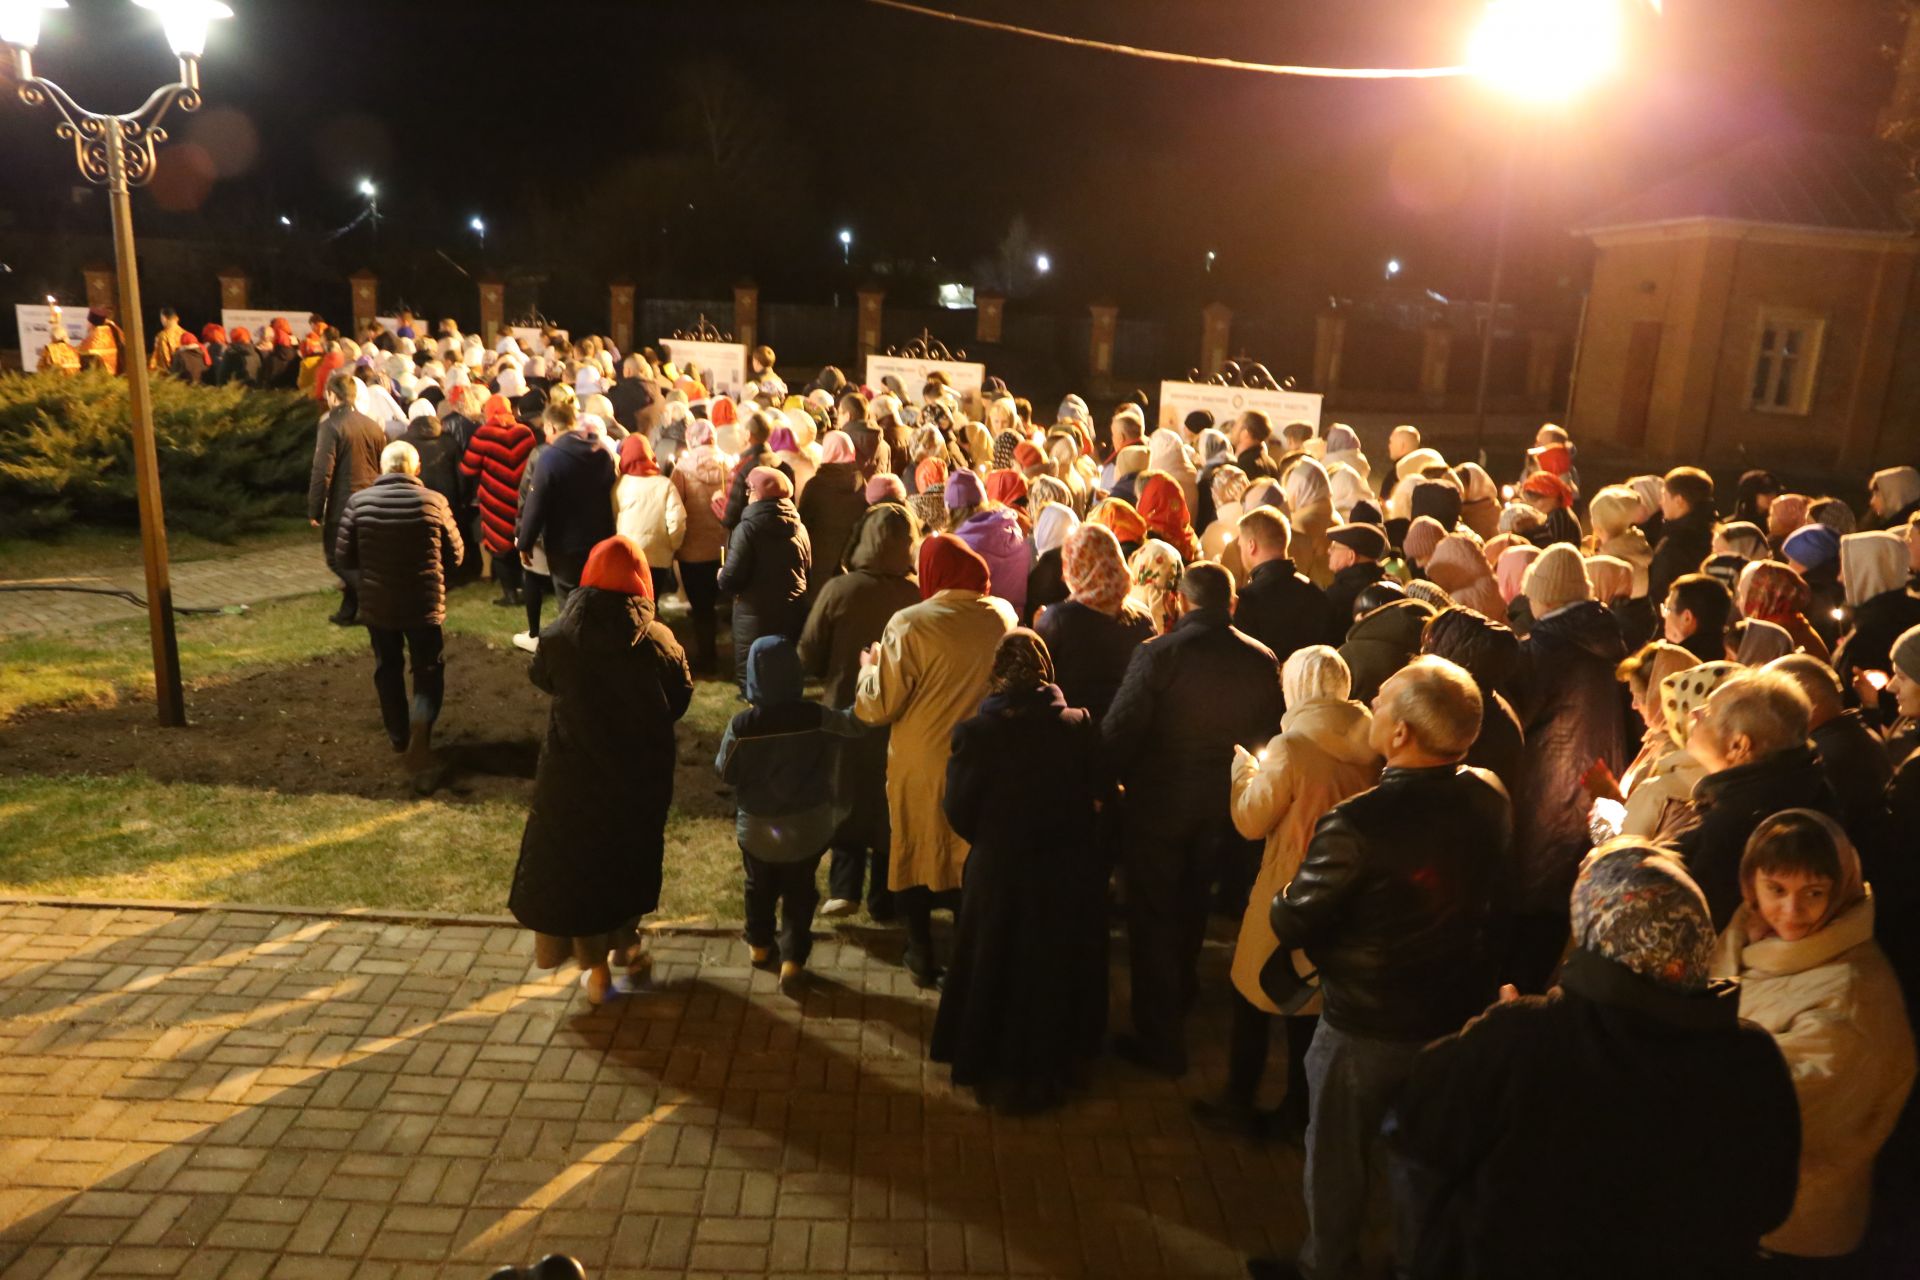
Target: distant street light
[[479, 226], [846, 246], [117, 152], [1043, 264], [1393, 267], [285, 221], [367, 188], [1210, 257]]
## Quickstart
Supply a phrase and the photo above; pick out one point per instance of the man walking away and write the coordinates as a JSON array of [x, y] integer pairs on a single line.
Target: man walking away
[[346, 459], [400, 539], [571, 501]]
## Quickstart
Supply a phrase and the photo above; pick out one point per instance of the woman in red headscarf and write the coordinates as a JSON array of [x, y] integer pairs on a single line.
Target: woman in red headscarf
[[1553, 498], [927, 674], [1163, 509], [648, 509], [590, 859], [493, 463]]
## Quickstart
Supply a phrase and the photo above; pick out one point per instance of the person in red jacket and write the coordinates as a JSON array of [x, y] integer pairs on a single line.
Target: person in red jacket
[[493, 463]]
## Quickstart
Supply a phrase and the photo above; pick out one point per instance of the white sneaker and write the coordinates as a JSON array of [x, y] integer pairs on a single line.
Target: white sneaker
[[837, 907], [521, 640]]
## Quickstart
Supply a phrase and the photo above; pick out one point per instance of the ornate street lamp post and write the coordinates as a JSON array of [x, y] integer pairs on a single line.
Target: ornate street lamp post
[[117, 152]]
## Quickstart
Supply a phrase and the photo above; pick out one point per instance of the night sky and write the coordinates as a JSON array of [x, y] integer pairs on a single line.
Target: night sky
[[688, 145]]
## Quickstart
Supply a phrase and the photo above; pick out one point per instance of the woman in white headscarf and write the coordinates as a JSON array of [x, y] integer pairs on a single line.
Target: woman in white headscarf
[[700, 474], [378, 403], [1229, 486], [1167, 451], [510, 383], [1347, 486], [1046, 580], [1479, 500], [1310, 505], [1155, 572], [1343, 445], [587, 381]]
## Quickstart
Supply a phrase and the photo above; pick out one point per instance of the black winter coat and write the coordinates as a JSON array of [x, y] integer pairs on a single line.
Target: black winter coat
[[398, 540], [830, 507], [1091, 650], [439, 457], [346, 459], [768, 561], [1684, 545], [1284, 611], [1188, 698], [569, 505], [1382, 642], [1341, 593], [1572, 712], [1728, 805], [1854, 759], [240, 362], [595, 838], [737, 495], [1046, 585], [1402, 902], [1025, 1001], [1876, 625], [1610, 1128], [1502, 741]]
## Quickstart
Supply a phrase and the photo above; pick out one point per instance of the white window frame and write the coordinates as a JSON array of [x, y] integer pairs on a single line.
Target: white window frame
[[1812, 326]]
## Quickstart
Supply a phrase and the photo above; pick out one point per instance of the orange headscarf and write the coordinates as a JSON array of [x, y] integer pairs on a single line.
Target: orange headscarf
[[498, 412], [1163, 508], [1119, 515], [618, 564], [929, 473], [636, 457], [947, 563]]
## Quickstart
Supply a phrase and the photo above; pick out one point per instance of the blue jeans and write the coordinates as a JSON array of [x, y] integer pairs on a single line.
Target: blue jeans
[[1352, 1081]]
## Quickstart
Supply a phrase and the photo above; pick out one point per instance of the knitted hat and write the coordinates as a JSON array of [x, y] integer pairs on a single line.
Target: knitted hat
[[1437, 498], [1423, 535], [1364, 512], [1557, 577], [1811, 545], [1906, 654], [1366, 540], [963, 490]]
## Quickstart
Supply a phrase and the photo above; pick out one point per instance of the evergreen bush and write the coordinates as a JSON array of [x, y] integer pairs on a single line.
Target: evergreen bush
[[231, 458]]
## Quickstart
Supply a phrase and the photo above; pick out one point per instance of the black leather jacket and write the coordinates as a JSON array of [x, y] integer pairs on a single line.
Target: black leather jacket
[[1402, 902]]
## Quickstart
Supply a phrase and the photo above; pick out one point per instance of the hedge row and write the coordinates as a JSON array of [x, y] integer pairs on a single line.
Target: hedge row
[[231, 458]]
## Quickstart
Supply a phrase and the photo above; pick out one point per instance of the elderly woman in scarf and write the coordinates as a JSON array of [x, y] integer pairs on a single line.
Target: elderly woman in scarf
[[649, 510], [1046, 580], [1123, 520], [1629, 1124], [591, 856], [1773, 592], [1343, 449], [1094, 632], [1457, 567], [1228, 488], [1310, 508], [1346, 487], [1024, 1008], [1155, 571], [1801, 944], [1164, 511], [927, 674], [1873, 569], [1213, 451], [1167, 453]]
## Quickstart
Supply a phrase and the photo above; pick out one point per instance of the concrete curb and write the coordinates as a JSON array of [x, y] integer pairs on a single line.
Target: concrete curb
[[698, 926]]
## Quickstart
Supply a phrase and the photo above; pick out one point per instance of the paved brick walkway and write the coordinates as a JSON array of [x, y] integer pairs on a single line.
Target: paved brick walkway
[[229, 1095], [243, 579]]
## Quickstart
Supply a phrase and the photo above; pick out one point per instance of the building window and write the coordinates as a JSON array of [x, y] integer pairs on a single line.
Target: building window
[[1786, 359]]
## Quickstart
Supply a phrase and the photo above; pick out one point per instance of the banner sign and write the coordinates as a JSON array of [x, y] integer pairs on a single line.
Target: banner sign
[[257, 320], [725, 363], [1178, 399], [961, 375]]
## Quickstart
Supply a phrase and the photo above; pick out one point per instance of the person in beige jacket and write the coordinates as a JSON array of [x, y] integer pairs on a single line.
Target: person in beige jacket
[[1319, 758], [927, 674], [1801, 943]]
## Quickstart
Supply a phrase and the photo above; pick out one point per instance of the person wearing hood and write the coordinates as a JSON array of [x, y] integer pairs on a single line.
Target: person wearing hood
[[346, 459], [1612, 582], [1384, 637], [831, 506], [786, 445], [1354, 552], [634, 398], [769, 558], [1895, 497], [1213, 451], [1187, 698], [568, 508], [850, 614], [1873, 568], [992, 532], [1611, 513], [1091, 635], [1343, 449], [782, 758], [591, 856], [494, 463], [1813, 552], [1046, 580], [1686, 530], [439, 454], [1163, 509], [1457, 567], [1627, 1123], [1572, 715], [1321, 756], [1422, 536], [1346, 489], [1736, 544], [1409, 470], [650, 510], [1801, 944], [1024, 1007], [928, 673], [1479, 499], [1488, 651]]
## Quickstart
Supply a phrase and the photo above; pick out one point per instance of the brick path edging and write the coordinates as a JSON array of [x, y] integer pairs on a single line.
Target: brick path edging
[[377, 915]]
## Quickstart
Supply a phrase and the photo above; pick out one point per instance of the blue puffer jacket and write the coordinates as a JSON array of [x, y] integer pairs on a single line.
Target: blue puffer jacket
[[782, 757]]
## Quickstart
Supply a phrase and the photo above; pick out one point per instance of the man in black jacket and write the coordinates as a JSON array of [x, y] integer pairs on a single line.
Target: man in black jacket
[[1278, 606], [1686, 539], [1353, 553], [570, 501], [1400, 903], [1853, 758], [1250, 436], [346, 459], [1188, 698], [399, 538]]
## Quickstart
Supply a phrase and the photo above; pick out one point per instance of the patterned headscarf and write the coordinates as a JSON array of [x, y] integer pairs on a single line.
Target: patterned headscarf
[[1685, 691], [1003, 447], [1229, 484], [1043, 489], [1636, 905], [1021, 663], [1155, 570], [1094, 571], [1120, 516]]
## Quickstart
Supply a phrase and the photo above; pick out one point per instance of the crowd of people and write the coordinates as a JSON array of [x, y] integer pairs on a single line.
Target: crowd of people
[[1574, 859]]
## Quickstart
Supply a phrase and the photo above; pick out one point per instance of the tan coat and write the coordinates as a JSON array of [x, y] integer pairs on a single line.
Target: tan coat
[[1833, 1005], [1310, 543], [1319, 758], [1667, 783], [1632, 547], [931, 674]]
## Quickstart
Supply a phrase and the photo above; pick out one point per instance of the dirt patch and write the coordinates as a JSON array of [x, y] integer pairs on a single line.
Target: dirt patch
[[314, 727]]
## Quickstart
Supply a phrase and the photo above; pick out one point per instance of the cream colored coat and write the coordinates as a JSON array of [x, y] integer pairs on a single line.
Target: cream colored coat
[[1668, 782], [1319, 758], [1632, 547], [1833, 1005], [649, 510], [931, 674], [1310, 543]]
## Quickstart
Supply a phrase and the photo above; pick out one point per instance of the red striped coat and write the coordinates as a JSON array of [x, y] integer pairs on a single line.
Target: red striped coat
[[497, 455]]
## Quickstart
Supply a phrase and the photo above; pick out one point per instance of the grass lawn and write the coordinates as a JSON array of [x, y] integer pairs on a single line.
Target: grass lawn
[[87, 549], [129, 836]]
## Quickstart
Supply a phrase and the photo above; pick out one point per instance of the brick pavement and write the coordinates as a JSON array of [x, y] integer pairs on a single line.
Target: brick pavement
[[243, 579], [226, 1095]]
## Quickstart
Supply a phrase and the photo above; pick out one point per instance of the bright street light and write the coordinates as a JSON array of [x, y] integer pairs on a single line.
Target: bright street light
[[1210, 256], [846, 245], [20, 21], [1547, 50], [285, 221], [367, 188], [478, 225], [186, 22], [846, 237], [1043, 264], [1393, 267]]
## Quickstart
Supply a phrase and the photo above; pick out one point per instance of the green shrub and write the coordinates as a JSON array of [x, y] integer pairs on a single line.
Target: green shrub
[[231, 458]]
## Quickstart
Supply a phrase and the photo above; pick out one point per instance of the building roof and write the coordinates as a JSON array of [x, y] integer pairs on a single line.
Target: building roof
[[1822, 181]]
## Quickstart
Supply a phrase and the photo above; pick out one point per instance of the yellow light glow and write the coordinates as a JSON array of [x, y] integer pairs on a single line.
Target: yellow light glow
[[1546, 50]]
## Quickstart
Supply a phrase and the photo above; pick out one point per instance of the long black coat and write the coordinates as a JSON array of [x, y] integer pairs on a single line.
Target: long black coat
[[769, 557], [595, 838], [1610, 1128], [346, 459], [1091, 650], [1026, 996], [1876, 625], [830, 507]]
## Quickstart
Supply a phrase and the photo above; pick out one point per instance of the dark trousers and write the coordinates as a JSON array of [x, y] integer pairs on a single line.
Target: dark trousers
[[703, 595], [1249, 1037], [847, 874], [1537, 942], [507, 571], [533, 590], [1169, 884], [565, 571], [917, 906], [792, 887], [391, 648], [1352, 1081]]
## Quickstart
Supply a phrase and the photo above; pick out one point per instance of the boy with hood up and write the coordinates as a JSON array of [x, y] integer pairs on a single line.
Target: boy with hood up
[[782, 757]]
